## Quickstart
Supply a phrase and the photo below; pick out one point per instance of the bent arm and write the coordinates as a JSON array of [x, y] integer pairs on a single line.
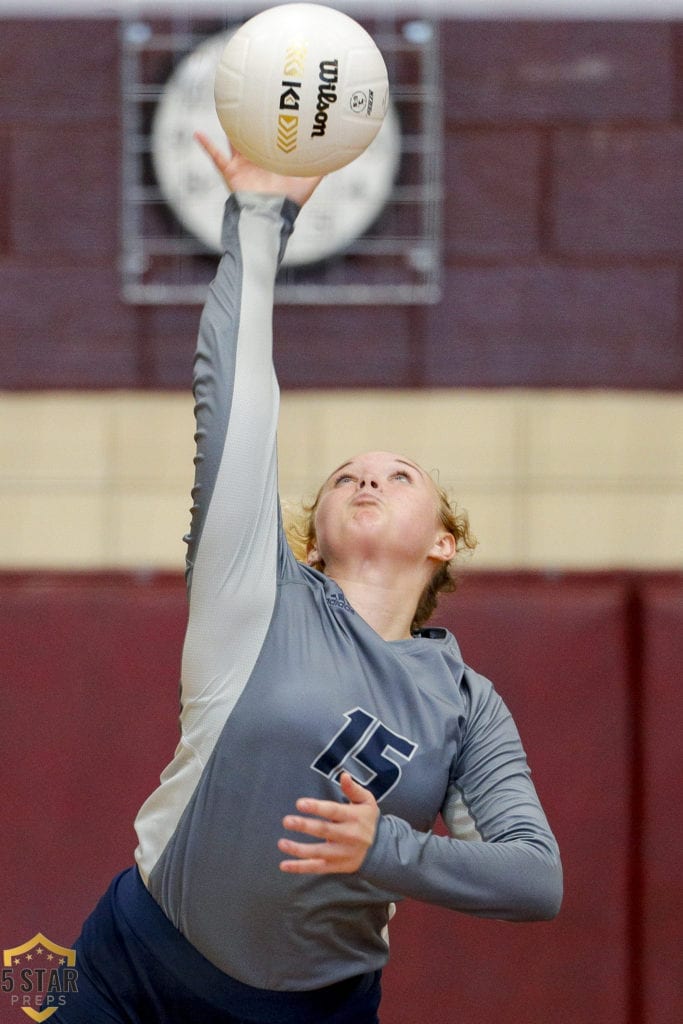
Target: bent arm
[[509, 866]]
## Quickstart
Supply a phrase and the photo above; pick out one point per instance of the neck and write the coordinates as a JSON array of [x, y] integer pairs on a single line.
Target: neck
[[385, 599]]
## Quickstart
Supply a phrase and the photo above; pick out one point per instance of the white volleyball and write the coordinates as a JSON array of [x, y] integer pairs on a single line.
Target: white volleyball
[[301, 89]]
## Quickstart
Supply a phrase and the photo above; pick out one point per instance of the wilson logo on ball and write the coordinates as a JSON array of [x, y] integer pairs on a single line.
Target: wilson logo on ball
[[327, 95]]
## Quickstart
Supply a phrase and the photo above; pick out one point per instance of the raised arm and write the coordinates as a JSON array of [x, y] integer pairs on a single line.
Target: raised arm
[[232, 542], [232, 545]]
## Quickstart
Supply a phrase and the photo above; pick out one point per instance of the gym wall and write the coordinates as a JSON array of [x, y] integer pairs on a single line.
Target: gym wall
[[563, 149], [589, 664], [545, 387]]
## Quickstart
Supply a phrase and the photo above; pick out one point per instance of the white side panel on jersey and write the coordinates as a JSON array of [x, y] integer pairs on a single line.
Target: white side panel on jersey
[[234, 576], [457, 818]]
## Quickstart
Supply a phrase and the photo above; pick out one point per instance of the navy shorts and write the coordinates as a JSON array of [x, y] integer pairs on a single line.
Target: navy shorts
[[135, 967]]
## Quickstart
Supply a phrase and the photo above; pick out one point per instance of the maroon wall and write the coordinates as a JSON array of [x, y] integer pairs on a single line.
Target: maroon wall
[[659, 820], [563, 150], [590, 668]]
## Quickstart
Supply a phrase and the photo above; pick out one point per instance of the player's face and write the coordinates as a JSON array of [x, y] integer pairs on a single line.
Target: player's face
[[379, 500]]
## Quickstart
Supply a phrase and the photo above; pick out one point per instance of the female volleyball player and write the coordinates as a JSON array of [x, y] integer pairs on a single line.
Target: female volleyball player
[[322, 732]]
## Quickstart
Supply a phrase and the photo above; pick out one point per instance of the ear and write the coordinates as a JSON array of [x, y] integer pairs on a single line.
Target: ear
[[444, 547], [313, 555]]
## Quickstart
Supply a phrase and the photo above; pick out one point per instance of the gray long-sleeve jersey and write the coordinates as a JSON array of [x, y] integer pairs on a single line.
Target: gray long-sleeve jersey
[[284, 686]]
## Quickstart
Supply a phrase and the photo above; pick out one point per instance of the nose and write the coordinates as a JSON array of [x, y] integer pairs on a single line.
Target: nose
[[369, 481]]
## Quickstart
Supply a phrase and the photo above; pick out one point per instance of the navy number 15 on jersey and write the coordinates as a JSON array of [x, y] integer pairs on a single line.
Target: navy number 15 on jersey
[[368, 750]]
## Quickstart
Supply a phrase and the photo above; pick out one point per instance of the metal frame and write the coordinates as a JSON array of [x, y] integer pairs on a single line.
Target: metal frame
[[162, 264]]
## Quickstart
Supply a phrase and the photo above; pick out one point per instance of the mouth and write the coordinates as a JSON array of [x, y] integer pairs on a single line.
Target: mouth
[[365, 499]]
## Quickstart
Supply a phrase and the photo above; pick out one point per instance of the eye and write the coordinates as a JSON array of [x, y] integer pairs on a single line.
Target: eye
[[402, 475], [342, 478]]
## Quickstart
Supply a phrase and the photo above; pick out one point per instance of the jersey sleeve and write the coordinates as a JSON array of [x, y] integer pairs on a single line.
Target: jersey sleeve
[[232, 559], [232, 544], [500, 859]]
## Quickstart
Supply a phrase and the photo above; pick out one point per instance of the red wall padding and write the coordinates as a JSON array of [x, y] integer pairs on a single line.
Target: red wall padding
[[659, 818], [556, 652], [587, 665], [90, 670]]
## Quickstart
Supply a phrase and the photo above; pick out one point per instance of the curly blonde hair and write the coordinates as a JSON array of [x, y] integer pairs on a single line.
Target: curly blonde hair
[[300, 529]]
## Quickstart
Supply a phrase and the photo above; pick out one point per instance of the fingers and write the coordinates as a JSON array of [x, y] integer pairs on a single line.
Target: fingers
[[306, 851], [328, 809], [319, 858], [331, 809], [347, 831], [308, 866], [241, 174], [354, 791], [320, 828], [220, 158]]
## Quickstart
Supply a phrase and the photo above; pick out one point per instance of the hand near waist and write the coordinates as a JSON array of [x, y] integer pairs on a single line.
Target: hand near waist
[[346, 832]]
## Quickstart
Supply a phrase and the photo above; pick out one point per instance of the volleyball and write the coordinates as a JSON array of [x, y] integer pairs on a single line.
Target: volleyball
[[301, 89]]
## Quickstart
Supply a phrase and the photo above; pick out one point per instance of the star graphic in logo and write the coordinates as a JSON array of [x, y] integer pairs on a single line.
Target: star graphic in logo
[[40, 983]]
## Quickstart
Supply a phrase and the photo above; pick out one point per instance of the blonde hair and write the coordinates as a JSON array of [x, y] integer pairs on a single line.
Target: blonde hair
[[299, 525]]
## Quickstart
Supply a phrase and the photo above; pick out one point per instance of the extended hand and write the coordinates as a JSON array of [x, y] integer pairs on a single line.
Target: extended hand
[[240, 173], [347, 832]]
